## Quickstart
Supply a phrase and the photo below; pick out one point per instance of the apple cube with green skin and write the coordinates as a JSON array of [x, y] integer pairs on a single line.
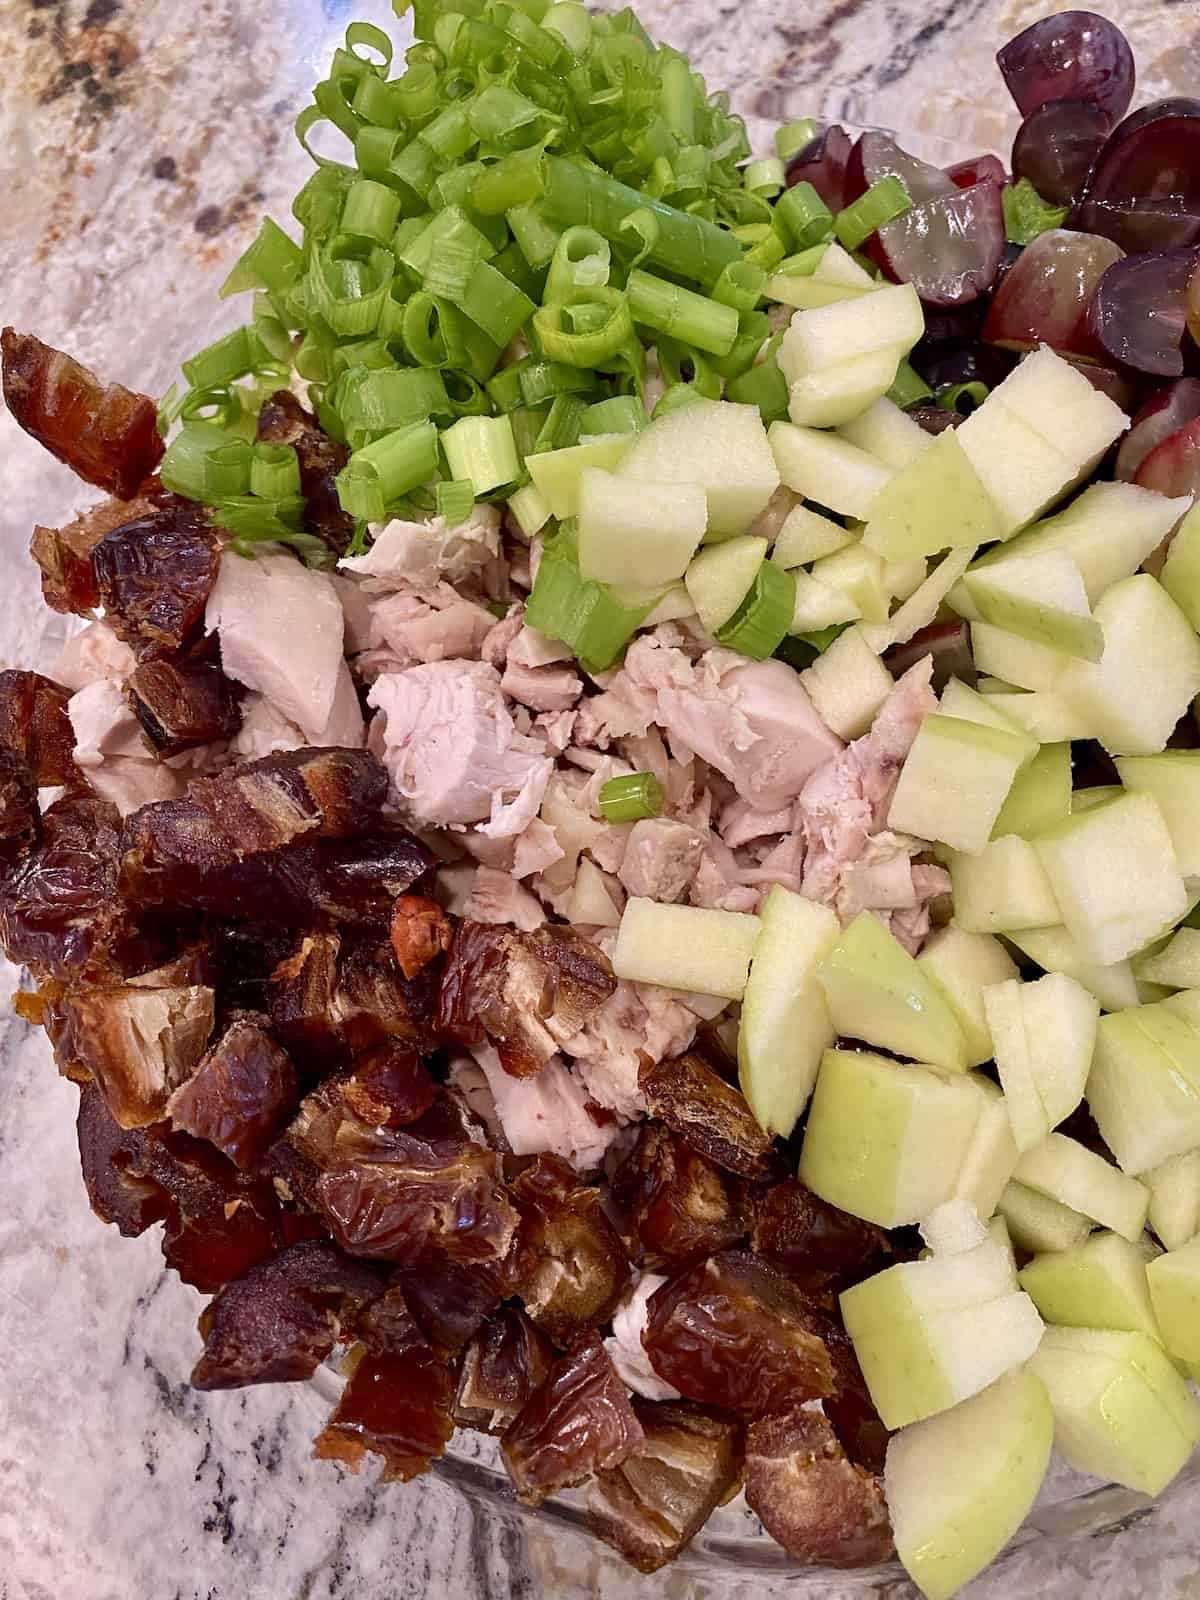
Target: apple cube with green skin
[[968, 705], [960, 1485], [876, 992], [1022, 662], [861, 574], [904, 578], [1173, 778], [720, 446], [685, 947], [558, 474], [659, 524], [1174, 1187], [991, 1156], [963, 965], [1040, 598], [721, 577], [1044, 1035], [955, 780], [837, 265], [590, 904], [1003, 889], [1075, 1176], [921, 607], [848, 685], [1175, 1292], [935, 502], [785, 1028], [889, 319], [870, 1129], [883, 430], [1121, 1411], [1148, 676], [806, 536], [1039, 1224], [1114, 874], [1181, 570], [1101, 1283], [930, 1333], [818, 606], [1176, 965], [1022, 474], [1047, 717], [1056, 400], [953, 1227], [1040, 797], [831, 396], [825, 467], [1144, 1088], [1054, 950]]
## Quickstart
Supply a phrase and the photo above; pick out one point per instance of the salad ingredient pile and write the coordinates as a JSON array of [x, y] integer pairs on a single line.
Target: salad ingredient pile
[[615, 848]]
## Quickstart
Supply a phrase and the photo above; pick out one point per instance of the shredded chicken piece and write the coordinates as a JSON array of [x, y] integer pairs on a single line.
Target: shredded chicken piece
[[422, 553], [625, 1348], [547, 1114], [499, 897], [92, 655]]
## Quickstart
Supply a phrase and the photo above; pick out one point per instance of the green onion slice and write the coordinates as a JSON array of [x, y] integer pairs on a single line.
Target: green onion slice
[[631, 799]]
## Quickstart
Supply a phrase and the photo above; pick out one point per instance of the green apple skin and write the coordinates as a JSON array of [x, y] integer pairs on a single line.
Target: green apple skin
[[885, 431], [1003, 889], [877, 993], [1068, 1172], [956, 778], [1173, 778], [1054, 950], [1040, 598], [1175, 1293], [1038, 1223], [1144, 1087], [1021, 472], [1021, 662], [721, 447], [785, 1026], [720, 577], [1101, 1283], [1121, 1411], [961, 1484], [934, 503], [962, 965], [866, 1146], [1174, 1187], [1181, 571], [1040, 797], [1061, 1017], [1176, 964]]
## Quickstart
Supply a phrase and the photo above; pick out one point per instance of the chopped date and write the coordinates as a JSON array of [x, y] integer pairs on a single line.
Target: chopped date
[[108, 1154], [139, 1044], [528, 993], [817, 1504], [278, 1321], [283, 420], [678, 1205], [395, 1406], [240, 1095], [299, 998], [19, 815], [577, 1422], [65, 554], [851, 1410], [571, 1265], [666, 1489], [34, 723], [154, 576], [183, 703], [420, 933], [507, 1359], [450, 1299], [362, 878], [374, 1002], [814, 1243], [694, 1101], [105, 433], [390, 1086], [735, 1334]]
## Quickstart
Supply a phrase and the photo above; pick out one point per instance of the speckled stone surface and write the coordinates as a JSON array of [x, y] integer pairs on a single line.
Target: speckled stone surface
[[139, 138]]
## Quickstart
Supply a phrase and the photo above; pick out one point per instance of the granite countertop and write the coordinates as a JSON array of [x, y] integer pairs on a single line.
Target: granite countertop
[[142, 138]]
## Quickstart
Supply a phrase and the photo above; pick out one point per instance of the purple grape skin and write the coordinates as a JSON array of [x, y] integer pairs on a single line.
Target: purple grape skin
[[1056, 147], [1139, 311], [1144, 188], [1075, 55]]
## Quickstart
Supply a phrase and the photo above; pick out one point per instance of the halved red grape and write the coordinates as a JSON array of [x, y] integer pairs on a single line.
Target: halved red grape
[[1075, 55], [1144, 190], [932, 419], [1193, 305], [949, 248], [1057, 146], [1172, 408], [1174, 467], [877, 155], [823, 164], [1139, 311], [1045, 295], [980, 169]]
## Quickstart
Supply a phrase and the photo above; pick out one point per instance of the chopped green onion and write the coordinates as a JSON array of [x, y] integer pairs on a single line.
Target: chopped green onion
[[572, 24], [230, 357], [482, 450], [516, 180], [377, 475], [949, 399], [794, 137], [274, 471], [754, 329], [371, 211], [380, 401], [623, 413], [882, 203], [432, 333], [455, 501], [679, 97], [530, 508], [582, 260], [741, 285], [273, 262], [504, 389], [546, 380], [536, 238], [631, 799], [349, 293], [763, 385], [761, 622], [800, 650], [681, 314], [585, 330], [682, 363], [675, 397], [910, 388], [561, 428], [186, 468], [1026, 214], [767, 252], [376, 103], [766, 178], [586, 615], [802, 217]]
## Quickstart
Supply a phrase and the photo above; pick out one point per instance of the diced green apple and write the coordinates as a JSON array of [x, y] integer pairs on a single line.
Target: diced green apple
[[1066, 1171], [1185, 1004], [1006, 1024], [1181, 571], [1121, 1411], [848, 685], [818, 606], [1054, 950], [826, 468], [1100, 1283], [1022, 662], [1149, 673], [960, 1485], [968, 705], [837, 265], [834, 395], [785, 1027], [558, 474], [1003, 889], [955, 780], [1044, 1035], [674, 605], [1047, 717], [1038, 1223], [1022, 474], [876, 992], [963, 965], [804, 291], [1095, 795], [1174, 1187], [1144, 1088], [685, 947], [1173, 778], [718, 445], [935, 502], [991, 1157], [721, 577], [1040, 598], [870, 1127], [921, 607], [888, 319], [904, 578], [1115, 877], [953, 1227], [1175, 1293], [658, 525], [807, 536], [590, 904], [1041, 794], [883, 430], [1176, 965], [861, 574]]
